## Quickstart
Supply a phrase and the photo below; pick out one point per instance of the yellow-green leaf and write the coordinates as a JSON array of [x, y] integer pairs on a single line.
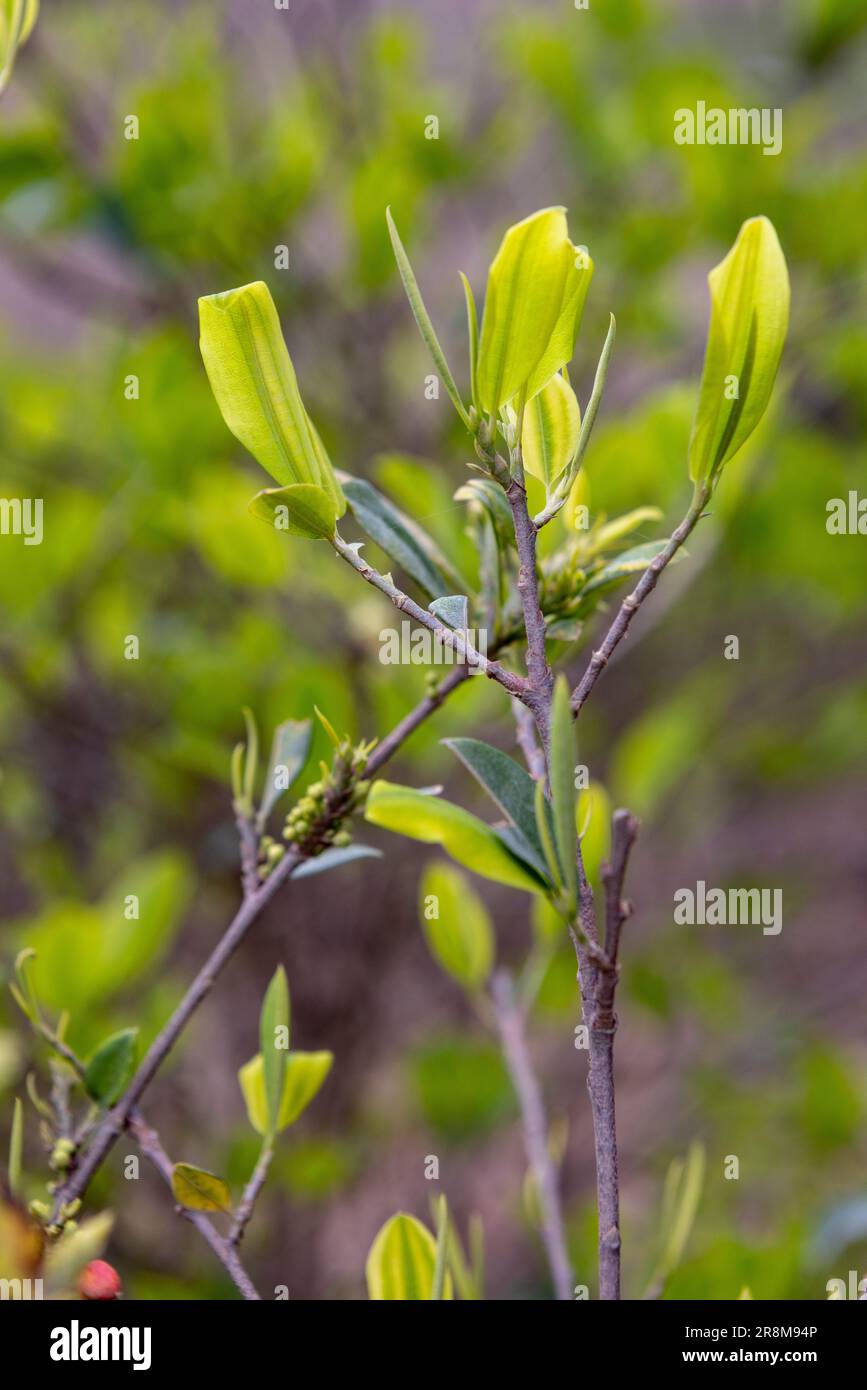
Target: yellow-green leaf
[[198, 1190], [255, 386], [436, 822], [300, 510], [402, 1260], [531, 283], [552, 424], [593, 816], [304, 1077], [561, 344], [274, 1042], [17, 18], [457, 926], [749, 292]]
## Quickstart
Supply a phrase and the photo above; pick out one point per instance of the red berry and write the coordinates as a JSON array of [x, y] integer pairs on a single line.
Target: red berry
[[99, 1280]]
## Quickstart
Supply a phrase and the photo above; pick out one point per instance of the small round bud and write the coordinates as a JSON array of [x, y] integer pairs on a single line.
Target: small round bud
[[342, 838], [99, 1280]]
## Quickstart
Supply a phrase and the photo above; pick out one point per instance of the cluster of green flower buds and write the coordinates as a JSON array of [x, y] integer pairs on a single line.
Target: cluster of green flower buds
[[61, 1156], [317, 818]]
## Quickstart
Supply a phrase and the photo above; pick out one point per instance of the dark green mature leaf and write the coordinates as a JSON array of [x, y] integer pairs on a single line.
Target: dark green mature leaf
[[274, 1020], [334, 858], [198, 1190], [628, 562], [510, 786], [401, 538], [289, 748], [562, 779], [451, 609], [111, 1067]]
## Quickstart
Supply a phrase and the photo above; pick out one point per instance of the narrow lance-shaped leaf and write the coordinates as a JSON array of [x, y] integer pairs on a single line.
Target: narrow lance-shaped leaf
[[473, 336], [467, 839], [749, 316], [402, 539], [16, 1143], [255, 387], [274, 1042], [457, 926], [509, 785], [423, 320], [17, 18], [289, 748]]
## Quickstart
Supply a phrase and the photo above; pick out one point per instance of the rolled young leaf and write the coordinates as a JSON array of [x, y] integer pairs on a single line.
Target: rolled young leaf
[[552, 424], [749, 292], [17, 18], [301, 509], [467, 839], [457, 926], [532, 308], [402, 1262], [255, 387]]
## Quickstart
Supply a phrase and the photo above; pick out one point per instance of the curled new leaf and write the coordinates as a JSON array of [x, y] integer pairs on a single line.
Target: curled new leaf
[[255, 386], [536, 288], [749, 315], [552, 424], [17, 18], [467, 839], [301, 509], [304, 1076], [457, 926], [402, 1262]]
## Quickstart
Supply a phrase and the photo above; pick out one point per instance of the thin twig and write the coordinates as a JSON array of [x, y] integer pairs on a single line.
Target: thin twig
[[251, 1193], [107, 1133], [510, 1022], [249, 843], [450, 637], [598, 982], [148, 1141], [631, 604], [539, 672]]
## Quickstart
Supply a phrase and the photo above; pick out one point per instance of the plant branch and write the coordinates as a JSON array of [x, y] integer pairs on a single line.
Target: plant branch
[[251, 1193], [249, 853], [510, 1023], [541, 679], [148, 1141], [598, 981], [457, 641], [633, 601], [106, 1134]]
